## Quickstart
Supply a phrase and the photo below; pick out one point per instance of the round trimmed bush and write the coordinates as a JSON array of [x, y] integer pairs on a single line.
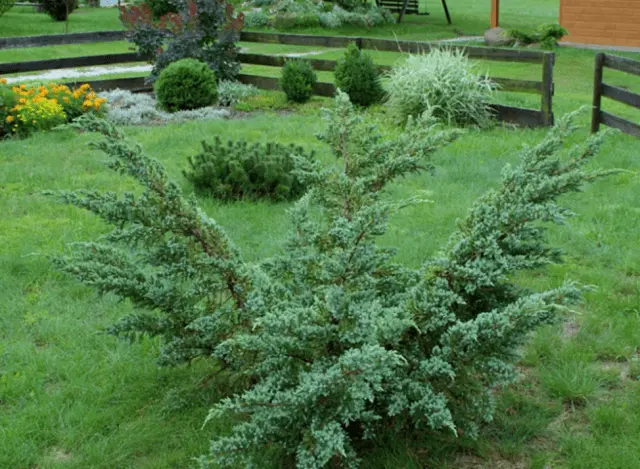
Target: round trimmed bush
[[297, 80], [186, 84], [357, 75]]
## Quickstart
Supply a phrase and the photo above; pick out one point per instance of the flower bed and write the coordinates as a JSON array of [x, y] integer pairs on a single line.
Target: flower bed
[[26, 109]]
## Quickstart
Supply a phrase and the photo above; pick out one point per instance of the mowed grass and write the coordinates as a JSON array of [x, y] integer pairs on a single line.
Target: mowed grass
[[24, 21], [470, 18], [72, 397]]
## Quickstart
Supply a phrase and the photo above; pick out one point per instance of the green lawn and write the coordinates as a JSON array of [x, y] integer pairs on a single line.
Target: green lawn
[[24, 21], [470, 17], [74, 398]]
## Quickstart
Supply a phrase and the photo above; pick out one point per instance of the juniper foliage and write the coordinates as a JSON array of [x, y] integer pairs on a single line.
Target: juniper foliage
[[175, 264], [340, 342]]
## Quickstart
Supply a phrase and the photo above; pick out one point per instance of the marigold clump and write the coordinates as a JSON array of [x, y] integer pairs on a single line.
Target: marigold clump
[[25, 109]]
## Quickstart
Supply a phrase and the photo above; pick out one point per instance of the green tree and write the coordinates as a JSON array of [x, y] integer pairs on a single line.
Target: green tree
[[337, 341]]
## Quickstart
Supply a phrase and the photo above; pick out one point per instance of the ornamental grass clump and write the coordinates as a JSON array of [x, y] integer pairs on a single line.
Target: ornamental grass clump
[[233, 92], [335, 343], [443, 82]]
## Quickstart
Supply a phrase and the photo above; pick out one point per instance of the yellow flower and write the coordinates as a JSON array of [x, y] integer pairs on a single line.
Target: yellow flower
[[22, 100], [3, 81], [9, 119], [66, 99]]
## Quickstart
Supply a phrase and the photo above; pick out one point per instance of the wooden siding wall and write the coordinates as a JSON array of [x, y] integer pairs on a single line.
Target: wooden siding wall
[[607, 22]]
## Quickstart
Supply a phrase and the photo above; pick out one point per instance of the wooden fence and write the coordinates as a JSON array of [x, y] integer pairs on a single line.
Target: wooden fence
[[522, 116], [621, 95]]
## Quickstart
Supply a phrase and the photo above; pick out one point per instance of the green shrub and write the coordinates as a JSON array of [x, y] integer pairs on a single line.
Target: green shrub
[[5, 5], [186, 84], [442, 82], [550, 34], [233, 92], [206, 30], [547, 35], [336, 342], [351, 5], [256, 19], [237, 169], [263, 101], [58, 9], [292, 20], [357, 75], [297, 80], [161, 7]]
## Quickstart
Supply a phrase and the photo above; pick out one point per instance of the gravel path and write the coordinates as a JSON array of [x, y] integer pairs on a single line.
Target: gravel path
[[85, 72], [72, 73]]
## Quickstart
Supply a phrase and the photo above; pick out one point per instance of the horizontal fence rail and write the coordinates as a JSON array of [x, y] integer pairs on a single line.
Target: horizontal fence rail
[[621, 95], [70, 62], [517, 115], [60, 39]]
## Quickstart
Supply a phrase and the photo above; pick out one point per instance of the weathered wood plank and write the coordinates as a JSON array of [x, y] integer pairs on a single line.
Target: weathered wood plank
[[487, 53], [279, 61], [135, 84], [597, 93], [518, 86], [484, 53], [69, 62], [505, 84], [273, 83], [616, 122], [621, 95], [297, 39], [622, 64], [60, 39], [548, 61], [517, 115], [510, 114]]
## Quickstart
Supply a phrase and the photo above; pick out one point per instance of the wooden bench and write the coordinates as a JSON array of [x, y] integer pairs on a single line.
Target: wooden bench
[[396, 6], [408, 7]]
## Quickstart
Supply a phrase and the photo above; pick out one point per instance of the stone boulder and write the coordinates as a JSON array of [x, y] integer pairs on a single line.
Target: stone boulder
[[495, 37]]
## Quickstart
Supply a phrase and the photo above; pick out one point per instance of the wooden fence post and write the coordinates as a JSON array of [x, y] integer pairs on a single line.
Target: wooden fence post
[[597, 93], [548, 60], [495, 13]]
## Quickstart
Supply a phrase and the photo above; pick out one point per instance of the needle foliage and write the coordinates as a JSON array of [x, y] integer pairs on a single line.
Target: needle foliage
[[338, 343]]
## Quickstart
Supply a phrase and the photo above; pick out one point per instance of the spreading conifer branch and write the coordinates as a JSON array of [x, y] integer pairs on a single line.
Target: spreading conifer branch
[[165, 254], [338, 340]]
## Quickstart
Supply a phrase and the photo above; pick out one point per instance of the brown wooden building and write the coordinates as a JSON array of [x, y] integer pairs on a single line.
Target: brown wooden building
[[606, 22]]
